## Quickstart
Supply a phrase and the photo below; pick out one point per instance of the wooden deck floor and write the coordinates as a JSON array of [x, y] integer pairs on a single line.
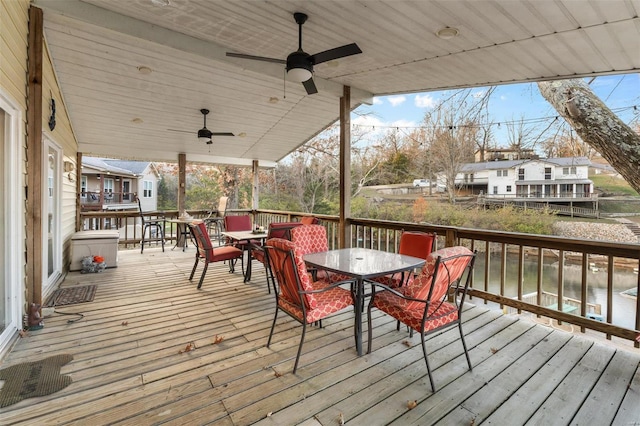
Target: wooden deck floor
[[130, 366]]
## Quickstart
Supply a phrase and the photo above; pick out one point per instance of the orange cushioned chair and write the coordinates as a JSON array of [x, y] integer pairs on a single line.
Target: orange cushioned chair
[[208, 254], [297, 295], [423, 304], [416, 244], [313, 239], [276, 230]]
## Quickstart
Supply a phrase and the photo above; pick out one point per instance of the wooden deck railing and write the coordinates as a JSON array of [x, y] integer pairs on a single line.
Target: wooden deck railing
[[499, 276]]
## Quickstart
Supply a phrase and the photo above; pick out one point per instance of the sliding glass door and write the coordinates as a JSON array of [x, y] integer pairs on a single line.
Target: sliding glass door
[[11, 219]]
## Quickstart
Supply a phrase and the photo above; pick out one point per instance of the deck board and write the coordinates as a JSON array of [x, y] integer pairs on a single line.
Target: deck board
[[130, 364]]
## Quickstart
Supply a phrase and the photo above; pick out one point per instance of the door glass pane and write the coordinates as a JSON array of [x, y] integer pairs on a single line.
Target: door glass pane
[[52, 250]]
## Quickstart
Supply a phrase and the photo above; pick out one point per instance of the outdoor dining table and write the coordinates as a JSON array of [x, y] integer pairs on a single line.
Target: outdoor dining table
[[182, 231], [362, 264], [238, 236]]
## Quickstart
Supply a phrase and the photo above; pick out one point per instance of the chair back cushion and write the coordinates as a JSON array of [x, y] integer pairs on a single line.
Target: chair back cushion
[[416, 244], [290, 271], [237, 223], [309, 239], [282, 229], [443, 268], [309, 220], [222, 206]]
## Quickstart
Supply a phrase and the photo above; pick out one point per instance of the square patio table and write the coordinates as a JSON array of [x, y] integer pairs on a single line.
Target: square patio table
[[362, 264], [239, 236]]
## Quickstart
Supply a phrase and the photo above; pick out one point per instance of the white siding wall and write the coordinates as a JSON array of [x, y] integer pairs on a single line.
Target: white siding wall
[[534, 170], [148, 204], [502, 181]]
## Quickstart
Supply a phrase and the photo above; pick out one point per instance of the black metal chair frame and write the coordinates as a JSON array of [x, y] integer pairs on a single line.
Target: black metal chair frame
[[202, 252], [150, 223]]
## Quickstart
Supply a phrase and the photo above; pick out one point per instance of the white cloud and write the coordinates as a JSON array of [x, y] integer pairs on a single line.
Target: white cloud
[[377, 101], [404, 124], [424, 101], [503, 98], [396, 100]]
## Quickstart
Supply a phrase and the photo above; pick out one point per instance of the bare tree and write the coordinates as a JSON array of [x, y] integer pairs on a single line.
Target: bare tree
[[453, 133], [521, 136], [597, 125]]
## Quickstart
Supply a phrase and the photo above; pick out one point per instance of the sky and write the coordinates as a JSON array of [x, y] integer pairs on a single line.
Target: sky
[[508, 103]]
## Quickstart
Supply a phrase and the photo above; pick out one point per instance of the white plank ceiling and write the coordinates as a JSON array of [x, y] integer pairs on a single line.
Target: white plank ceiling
[[98, 47]]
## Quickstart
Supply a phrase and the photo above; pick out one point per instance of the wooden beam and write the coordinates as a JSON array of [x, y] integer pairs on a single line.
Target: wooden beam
[[255, 190], [344, 237], [182, 179], [78, 189], [34, 268]]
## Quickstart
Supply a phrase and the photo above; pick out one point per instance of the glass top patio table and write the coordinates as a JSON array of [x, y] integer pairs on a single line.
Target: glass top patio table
[[361, 264]]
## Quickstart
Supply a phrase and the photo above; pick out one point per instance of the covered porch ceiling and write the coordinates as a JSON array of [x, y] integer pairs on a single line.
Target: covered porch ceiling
[[135, 73]]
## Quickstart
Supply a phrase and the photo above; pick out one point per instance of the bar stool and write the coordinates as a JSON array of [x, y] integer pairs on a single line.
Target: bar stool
[[215, 220], [154, 225]]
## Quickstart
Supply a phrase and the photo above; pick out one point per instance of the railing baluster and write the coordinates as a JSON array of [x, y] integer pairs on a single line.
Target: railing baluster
[[583, 286], [560, 288]]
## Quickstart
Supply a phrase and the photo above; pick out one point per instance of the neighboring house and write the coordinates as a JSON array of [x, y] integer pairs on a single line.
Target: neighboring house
[[108, 184], [549, 179]]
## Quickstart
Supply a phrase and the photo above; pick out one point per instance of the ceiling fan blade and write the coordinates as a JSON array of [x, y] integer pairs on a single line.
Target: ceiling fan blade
[[256, 58], [222, 134], [310, 86], [338, 52]]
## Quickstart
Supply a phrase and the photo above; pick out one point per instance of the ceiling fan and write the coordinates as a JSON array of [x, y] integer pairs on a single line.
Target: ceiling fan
[[299, 63], [204, 134]]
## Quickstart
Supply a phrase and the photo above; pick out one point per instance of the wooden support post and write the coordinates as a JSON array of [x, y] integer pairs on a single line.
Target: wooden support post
[[79, 224], [33, 224], [182, 179], [344, 236], [255, 190]]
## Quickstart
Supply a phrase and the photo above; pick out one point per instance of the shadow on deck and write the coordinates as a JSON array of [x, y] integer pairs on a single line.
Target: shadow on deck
[[130, 365]]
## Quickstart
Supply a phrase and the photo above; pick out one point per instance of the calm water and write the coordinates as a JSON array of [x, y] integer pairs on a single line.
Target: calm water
[[623, 307]]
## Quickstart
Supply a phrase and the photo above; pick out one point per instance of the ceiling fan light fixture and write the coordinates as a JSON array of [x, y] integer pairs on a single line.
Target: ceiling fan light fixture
[[299, 74], [204, 135], [299, 67], [447, 33]]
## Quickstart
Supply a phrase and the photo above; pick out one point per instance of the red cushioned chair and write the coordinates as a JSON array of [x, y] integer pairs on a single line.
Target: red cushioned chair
[[313, 239], [276, 230], [416, 244], [424, 305], [208, 254], [296, 294]]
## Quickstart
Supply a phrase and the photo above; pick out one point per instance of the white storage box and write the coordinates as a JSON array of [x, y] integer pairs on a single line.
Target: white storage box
[[94, 243]]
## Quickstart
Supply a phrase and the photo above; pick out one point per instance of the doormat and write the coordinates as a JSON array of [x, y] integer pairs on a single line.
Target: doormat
[[32, 379], [71, 295]]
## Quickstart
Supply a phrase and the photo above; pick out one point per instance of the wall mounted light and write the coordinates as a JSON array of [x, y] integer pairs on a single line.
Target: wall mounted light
[[69, 168]]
